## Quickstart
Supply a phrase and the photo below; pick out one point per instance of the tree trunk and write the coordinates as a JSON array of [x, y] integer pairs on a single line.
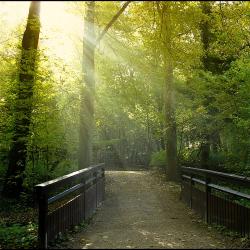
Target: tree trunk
[[169, 100], [205, 152], [23, 105], [171, 147], [87, 91], [205, 38]]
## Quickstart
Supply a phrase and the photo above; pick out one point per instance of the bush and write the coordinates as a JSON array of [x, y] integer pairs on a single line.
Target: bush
[[217, 161], [189, 157], [18, 236], [158, 159]]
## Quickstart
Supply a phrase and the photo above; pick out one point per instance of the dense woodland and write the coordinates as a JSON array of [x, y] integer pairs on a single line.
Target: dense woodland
[[149, 83], [166, 86]]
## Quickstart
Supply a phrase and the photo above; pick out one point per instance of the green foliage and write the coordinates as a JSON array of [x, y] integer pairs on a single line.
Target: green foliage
[[129, 110], [158, 159], [216, 159], [130, 118], [211, 104], [18, 236]]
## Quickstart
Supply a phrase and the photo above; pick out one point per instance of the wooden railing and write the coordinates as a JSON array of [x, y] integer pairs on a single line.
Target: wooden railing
[[216, 197], [84, 190]]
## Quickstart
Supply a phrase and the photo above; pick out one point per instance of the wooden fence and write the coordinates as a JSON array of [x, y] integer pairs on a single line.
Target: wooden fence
[[218, 197], [68, 200]]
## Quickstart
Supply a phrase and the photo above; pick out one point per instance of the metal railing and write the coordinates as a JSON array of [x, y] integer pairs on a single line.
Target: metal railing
[[84, 190], [216, 197]]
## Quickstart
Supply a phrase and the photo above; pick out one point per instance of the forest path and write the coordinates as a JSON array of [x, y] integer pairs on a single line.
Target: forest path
[[141, 210]]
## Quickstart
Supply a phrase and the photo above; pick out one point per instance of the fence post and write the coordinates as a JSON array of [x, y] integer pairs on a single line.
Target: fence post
[[95, 183], [207, 192], [84, 197], [191, 187], [42, 218], [103, 176], [180, 196]]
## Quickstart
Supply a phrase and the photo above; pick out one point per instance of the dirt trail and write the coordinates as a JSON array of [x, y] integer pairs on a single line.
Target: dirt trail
[[142, 211]]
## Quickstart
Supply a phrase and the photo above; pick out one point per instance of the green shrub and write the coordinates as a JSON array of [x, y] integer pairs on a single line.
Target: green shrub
[[64, 167], [18, 236], [158, 159], [189, 157], [217, 161]]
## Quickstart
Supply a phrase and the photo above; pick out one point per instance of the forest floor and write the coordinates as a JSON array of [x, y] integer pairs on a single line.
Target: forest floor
[[142, 210]]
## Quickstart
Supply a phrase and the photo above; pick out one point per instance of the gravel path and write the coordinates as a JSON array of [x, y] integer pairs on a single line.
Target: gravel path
[[143, 211]]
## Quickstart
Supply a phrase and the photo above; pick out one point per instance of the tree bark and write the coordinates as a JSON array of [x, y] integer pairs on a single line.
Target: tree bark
[[88, 91], [171, 138], [169, 99], [205, 38], [115, 17], [23, 105]]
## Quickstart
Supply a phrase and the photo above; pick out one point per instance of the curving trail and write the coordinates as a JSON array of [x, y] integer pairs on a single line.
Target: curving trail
[[143, 211]]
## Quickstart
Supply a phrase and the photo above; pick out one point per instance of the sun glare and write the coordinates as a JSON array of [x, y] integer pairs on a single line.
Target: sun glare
[[60, 29]]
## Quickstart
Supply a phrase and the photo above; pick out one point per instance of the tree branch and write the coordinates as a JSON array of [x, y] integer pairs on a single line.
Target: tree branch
[[115, 17]]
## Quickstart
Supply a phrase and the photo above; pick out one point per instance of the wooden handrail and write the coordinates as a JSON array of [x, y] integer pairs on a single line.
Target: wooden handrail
[[238, 179], [219, 188], [197, 191], [66, 179], [89, 178]]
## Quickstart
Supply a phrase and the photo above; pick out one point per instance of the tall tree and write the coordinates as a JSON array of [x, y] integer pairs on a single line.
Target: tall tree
[[164, 10], [214, 64], [88, 91], [23, 104], [206, 41]]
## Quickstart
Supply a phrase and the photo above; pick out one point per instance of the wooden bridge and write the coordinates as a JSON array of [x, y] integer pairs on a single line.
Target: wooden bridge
[[132, 208]]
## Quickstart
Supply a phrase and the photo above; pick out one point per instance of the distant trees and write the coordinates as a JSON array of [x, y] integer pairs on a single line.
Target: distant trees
[[203, 42], [159, 81]]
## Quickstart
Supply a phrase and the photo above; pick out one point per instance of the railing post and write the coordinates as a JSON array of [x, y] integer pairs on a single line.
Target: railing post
[[103, 176], [84, 197], [95, 183], [180, 196], [207, 192], [42, 218], [191, 187], [181, 187]]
